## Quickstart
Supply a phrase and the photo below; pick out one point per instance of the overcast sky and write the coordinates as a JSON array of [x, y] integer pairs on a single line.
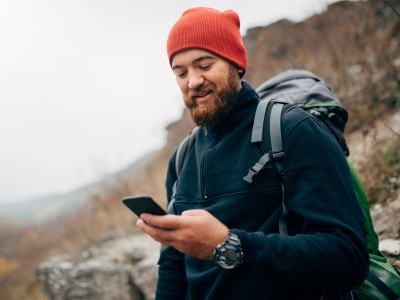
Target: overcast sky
[[85, 85]]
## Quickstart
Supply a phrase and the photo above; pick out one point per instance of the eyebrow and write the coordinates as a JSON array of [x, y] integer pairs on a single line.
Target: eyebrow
[[196, 60]]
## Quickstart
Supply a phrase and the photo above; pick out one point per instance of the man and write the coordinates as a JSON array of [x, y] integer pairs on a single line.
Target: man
[[224, 241]]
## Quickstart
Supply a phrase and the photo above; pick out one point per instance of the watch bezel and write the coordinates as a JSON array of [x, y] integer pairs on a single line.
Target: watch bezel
[[231, 245]]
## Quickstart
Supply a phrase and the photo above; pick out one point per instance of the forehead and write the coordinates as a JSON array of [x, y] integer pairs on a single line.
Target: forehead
[[189, 56]]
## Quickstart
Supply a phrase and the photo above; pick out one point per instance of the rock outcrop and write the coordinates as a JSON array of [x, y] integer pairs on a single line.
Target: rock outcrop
[[120, 269]]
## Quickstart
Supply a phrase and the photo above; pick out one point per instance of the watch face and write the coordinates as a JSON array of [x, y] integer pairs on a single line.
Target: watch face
[[230, 257]]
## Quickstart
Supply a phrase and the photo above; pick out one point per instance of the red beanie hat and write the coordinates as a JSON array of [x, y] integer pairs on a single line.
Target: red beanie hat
[[211, 30]]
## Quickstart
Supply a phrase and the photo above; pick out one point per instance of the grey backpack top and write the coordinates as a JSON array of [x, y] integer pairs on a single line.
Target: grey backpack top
[[304, 89]]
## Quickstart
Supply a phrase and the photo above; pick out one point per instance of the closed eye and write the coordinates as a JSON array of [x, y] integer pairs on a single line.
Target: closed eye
[[179, 73], [205, 67]]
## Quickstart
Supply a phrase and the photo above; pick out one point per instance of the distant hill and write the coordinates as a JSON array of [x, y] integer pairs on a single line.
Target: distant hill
[[45, 209]]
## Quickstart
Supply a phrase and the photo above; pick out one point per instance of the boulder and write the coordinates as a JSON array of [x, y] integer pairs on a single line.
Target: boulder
[[124, 268]]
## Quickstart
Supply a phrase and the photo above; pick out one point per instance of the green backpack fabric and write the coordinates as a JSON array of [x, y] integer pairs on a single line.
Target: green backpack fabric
[[304, 89]]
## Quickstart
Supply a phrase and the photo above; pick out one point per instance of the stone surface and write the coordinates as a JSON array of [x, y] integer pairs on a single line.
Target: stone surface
[[391, 249], [119, 269]]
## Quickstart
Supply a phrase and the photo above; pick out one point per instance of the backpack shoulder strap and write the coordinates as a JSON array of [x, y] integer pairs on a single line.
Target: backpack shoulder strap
[[267, 132], [180, 157]]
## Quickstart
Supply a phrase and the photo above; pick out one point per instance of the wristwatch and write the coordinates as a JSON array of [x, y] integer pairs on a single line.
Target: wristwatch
[[229, 254]]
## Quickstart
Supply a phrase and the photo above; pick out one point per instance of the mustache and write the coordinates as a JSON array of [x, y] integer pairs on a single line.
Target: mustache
[[202, 89]]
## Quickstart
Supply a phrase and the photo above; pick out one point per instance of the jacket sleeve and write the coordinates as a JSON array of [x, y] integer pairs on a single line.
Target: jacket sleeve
[[326, 247], [172, 283]]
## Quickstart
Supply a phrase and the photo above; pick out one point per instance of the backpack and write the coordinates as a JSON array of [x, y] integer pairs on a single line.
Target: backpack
[[304, 89]]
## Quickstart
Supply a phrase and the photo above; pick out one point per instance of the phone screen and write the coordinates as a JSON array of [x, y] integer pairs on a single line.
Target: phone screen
[[143, 204]]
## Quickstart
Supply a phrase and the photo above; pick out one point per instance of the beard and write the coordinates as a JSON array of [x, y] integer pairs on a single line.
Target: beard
[[212, 113]]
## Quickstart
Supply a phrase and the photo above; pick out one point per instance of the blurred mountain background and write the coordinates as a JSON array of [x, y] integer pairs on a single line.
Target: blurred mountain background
[[354, 46]]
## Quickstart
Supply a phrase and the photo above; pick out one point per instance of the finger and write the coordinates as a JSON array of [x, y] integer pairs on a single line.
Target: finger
[[168, 222], [195, 212], [140, 223], [158, 234]]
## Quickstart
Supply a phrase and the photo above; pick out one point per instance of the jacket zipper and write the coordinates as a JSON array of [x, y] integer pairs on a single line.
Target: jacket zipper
[[204, 166], [204, 180]]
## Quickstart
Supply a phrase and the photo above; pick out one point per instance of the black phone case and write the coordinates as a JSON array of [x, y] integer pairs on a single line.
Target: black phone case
[[143, 204]]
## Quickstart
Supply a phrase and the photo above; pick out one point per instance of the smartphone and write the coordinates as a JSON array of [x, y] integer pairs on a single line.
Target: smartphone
[[143, 204]]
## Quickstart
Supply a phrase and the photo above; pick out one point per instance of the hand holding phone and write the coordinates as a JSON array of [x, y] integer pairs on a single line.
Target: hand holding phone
[[143, 204]]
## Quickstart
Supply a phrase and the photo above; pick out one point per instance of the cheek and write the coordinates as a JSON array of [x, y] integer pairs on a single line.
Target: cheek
[[218, 79], [182, 85]]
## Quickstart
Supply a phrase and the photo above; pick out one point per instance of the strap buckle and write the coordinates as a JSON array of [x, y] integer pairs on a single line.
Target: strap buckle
[[258, 166], [249, 176]]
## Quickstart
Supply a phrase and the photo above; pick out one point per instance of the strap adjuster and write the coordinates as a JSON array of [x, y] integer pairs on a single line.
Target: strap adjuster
[[258, 166], [277, 155], [249, 176]]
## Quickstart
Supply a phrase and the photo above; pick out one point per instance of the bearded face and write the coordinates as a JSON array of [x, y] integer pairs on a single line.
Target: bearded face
[[212, 113]]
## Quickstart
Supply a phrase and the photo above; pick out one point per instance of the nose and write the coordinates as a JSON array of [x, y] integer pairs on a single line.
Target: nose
[[195, 80]]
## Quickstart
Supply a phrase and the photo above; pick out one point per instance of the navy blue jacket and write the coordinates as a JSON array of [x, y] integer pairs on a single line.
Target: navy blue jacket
[[326, 247]]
